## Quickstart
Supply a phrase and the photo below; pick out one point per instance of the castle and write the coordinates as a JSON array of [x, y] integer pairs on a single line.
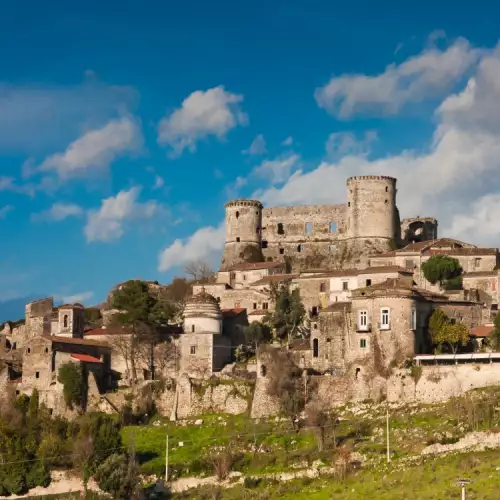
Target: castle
[[359, 272]]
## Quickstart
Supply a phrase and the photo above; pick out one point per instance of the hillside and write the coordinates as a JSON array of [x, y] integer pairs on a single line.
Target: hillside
[[431, 446]]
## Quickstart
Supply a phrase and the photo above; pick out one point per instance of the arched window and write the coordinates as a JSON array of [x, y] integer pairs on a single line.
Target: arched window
[[299, 248], [237, 214], [65, 321]]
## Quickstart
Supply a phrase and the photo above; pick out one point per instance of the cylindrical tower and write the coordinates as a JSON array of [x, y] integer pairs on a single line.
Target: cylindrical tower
[[371, 208], [243, 233]]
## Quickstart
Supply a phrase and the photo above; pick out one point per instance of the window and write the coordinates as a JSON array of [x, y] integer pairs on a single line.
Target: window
[[345, 286], [384, 318], [348, 203], [477, 263], [244, 277], [314, 311], [328, 339], [363, 320], [281, 228], [46, 350], [322, 287], [413, 319], [315, 326], [333, 227], [309, 227], [315, 348], [362, 343], [255, 305], [192, 328], [238, 239], [192, 349], [37, 374], [264, 244], [65, 321], [282, 251], [409, 264], [28, 350], [237, 305], [237, 214], [332, 248], [358, 371], [368, 282], [299, 248], [386, 202], [14, 344], [265, 305], [263, 370]]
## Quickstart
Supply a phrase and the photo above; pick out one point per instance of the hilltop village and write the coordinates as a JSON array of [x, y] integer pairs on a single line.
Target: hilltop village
[[358, 270]]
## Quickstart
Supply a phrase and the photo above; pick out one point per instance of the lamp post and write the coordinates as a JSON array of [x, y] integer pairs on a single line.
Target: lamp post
[[463, 483]]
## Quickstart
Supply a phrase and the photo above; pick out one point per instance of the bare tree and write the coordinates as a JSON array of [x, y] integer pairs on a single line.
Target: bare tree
[[200, 270]]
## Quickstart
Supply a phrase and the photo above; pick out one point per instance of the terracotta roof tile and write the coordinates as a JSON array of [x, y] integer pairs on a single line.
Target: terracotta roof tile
[[273, 278], [86, 358], [71, 340], [233, 312], [337, 306], [482, 331]]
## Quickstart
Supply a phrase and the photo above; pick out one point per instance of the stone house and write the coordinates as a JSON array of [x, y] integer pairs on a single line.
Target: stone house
[[471, 258]]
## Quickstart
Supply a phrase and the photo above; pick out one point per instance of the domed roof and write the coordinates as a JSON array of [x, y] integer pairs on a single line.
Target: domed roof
[[202, 304]]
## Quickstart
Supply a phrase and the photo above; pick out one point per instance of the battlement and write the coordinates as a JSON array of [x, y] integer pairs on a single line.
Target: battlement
[[371, 178], [244, 203]]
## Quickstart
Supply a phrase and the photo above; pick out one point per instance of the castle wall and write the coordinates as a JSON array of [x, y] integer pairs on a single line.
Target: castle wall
[[308, 231]]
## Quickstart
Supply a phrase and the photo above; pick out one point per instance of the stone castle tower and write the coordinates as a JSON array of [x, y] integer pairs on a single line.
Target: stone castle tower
[[243, 233], [371, 209]]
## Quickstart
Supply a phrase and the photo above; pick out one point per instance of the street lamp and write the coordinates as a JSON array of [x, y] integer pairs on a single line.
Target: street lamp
[[463, 483]]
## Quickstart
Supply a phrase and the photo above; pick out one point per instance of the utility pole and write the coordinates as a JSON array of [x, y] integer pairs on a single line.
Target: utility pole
[[463, 483], [166, 462], [387, 433]]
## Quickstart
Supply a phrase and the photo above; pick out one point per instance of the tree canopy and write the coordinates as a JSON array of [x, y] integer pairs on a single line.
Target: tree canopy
[[257, 333], [444, 270], [288, 314], [445, 331], [142, 314]]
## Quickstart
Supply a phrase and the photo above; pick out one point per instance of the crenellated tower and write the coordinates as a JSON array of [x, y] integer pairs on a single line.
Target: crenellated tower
[[243, 233]]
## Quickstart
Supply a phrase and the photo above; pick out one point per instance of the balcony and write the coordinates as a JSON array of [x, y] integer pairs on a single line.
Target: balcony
[[364, 328]]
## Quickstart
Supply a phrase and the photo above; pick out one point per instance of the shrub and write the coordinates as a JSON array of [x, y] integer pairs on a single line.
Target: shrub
[[74, 380], [252, 482]]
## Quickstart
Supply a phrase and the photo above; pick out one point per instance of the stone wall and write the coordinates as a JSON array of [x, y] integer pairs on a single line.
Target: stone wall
[[441, 382]]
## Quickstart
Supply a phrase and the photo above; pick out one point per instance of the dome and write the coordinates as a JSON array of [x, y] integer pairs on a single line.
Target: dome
[[202, 305]]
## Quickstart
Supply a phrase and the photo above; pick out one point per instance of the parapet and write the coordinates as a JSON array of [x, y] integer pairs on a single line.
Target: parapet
[[244, 203], [371, 178]]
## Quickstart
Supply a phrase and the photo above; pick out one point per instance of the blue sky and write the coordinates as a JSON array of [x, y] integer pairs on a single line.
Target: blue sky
[[125, 126]]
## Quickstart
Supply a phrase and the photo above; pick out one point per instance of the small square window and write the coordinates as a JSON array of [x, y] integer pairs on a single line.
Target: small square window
[[345, 286], [368, 282], [37, 374], [282, 251], [237, 239], [362, 343], [192, 349]]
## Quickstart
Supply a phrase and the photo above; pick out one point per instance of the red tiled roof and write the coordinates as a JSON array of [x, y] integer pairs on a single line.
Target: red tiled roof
[[85, 358], [256, 265], [482, 331], [233, 312]]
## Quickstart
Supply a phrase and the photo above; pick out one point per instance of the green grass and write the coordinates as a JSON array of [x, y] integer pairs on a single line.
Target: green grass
[[433, 480]]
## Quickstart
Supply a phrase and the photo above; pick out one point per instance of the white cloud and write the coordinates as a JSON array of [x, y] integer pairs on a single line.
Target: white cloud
[[96, 149], [341, 144], [159, 182], [106, 224], [58, 212], [205, 244], [9, 184], [213, 112], [258, 146], [430, 74], [288, 141], [5, 210], [456, 178], [79, 298], [277, 170]]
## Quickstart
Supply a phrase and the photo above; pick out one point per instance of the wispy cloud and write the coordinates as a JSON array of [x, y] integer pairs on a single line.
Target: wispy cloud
[[257, 147], [58, 212], [5, 210]]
